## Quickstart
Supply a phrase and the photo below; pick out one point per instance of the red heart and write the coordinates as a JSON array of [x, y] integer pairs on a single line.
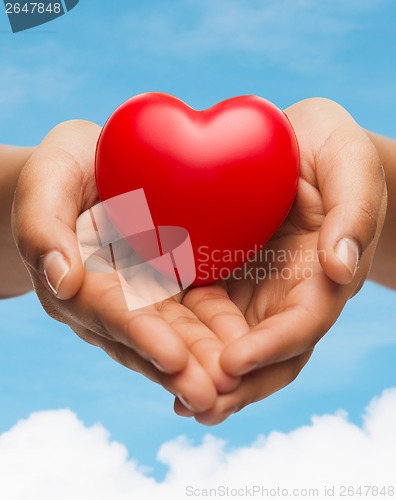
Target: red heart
[[227, 174]]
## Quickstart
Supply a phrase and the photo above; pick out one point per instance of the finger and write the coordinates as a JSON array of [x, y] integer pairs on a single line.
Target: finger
[[192, 385], [255, 386], [100, 306], [309, 310], [350, 179], [352, 183], [241, 292], [181, 410], [208, 352], [163, 334], [213, 306], [201, 342], [55, 186]]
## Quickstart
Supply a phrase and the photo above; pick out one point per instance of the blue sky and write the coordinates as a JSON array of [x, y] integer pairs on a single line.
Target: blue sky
[[86, 63]]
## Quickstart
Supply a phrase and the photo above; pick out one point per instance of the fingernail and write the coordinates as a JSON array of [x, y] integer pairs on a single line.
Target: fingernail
[[184, 402], [347, 252], [157, 365], [250, 367], [55, 270]]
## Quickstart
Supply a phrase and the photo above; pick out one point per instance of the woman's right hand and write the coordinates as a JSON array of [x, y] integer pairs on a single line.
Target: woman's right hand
[[165, 342]]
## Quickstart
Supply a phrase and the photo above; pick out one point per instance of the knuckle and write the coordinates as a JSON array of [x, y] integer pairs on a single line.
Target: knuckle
[[74, 126], [198, 297], [199, 344], [25, 234], [217, 317], [165, 306], [322, 323], [367, 217], [323, 102], [184, 320]]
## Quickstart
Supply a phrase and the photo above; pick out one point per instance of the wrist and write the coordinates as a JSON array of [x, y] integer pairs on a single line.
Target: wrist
[[15, 279], [12, 161], [384, 264]]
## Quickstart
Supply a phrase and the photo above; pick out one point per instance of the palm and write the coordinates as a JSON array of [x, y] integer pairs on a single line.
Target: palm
[[287, 305], [286, 270], [216, 333], [233, 307]]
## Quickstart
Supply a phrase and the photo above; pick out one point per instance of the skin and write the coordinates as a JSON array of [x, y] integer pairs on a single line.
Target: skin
[[15, 279], [383, 269], [341, 193], [221, 347]]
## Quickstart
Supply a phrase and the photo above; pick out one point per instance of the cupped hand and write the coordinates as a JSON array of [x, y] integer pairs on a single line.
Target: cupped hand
[[299, 283], [165, 342], [262, 324]]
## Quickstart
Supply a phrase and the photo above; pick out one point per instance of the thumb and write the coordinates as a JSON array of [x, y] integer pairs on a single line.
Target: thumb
[[54, 188], [352, 185]]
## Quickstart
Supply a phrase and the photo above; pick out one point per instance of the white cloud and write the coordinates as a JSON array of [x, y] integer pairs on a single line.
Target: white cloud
[[302, 34], [53, 455]]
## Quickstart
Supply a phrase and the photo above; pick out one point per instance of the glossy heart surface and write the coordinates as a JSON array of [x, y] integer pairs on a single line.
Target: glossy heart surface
[[227, 174]]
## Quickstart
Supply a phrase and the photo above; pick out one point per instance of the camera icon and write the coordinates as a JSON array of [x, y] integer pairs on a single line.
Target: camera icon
[[24, 15]]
